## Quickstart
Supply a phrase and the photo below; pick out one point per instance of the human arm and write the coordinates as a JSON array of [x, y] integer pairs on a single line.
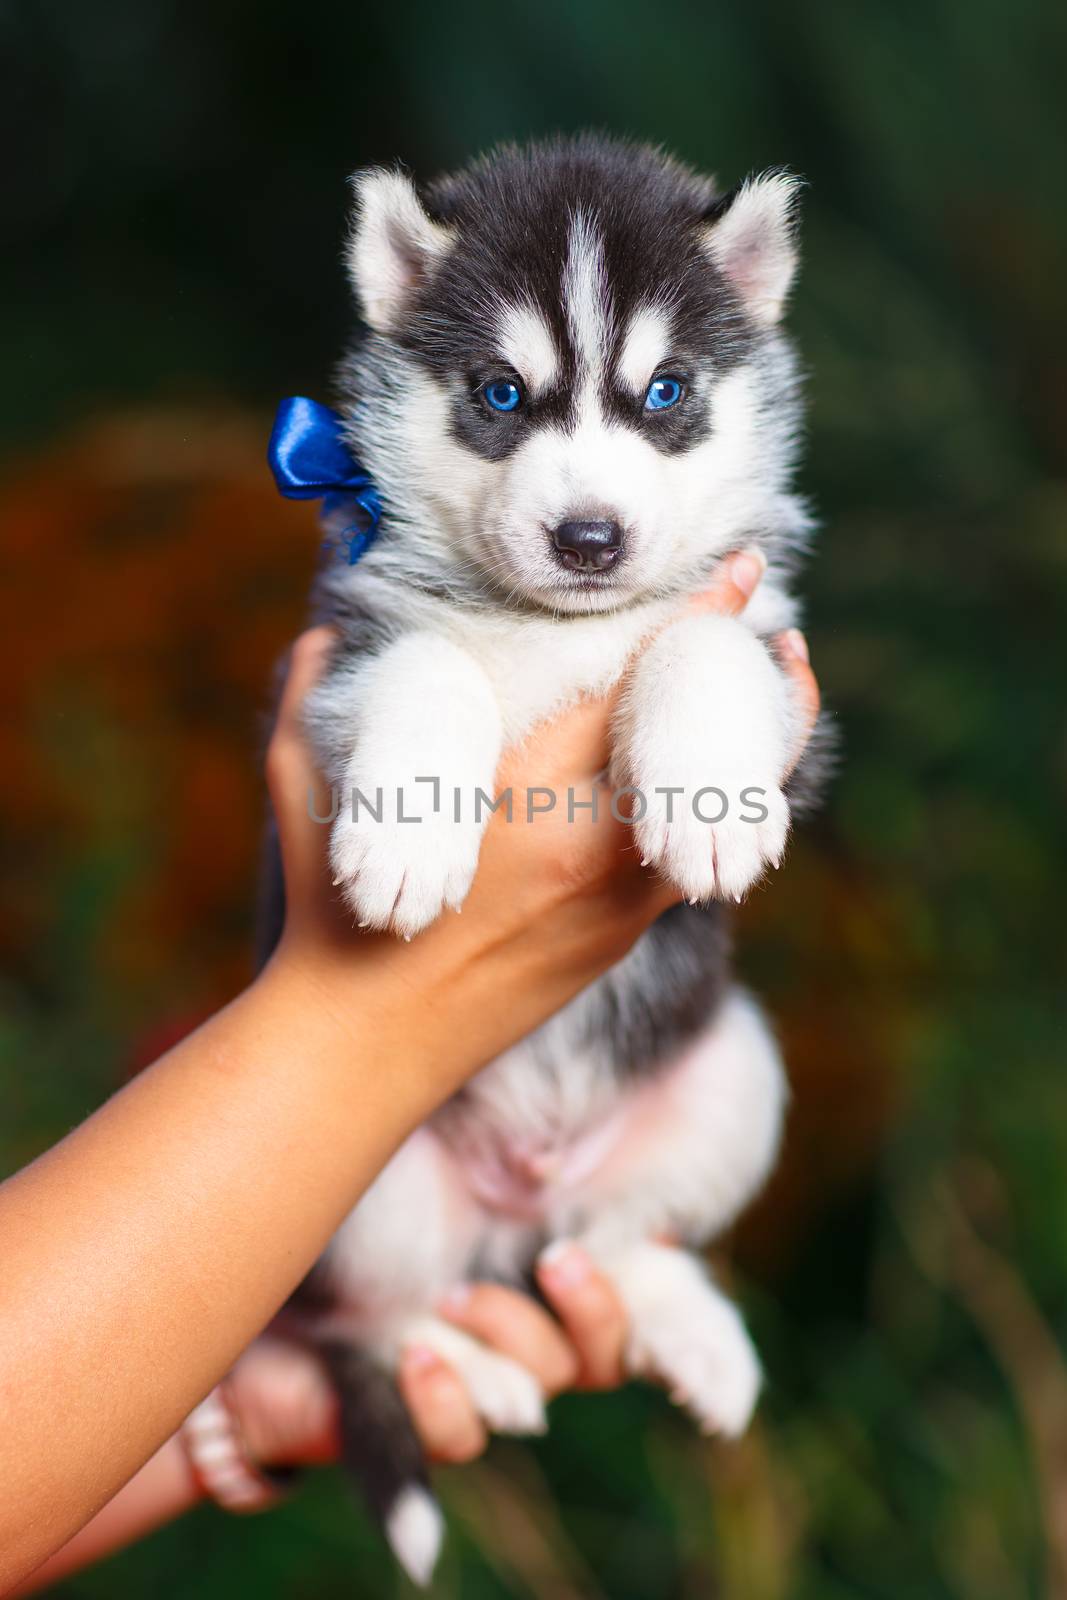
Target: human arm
[[134, 1270], [286, 1409]]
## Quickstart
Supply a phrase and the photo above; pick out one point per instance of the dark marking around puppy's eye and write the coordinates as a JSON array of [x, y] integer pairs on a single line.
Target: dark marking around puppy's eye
[[513, 223]]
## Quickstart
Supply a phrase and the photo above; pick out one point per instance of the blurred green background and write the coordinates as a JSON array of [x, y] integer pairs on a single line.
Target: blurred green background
[[174, 198]]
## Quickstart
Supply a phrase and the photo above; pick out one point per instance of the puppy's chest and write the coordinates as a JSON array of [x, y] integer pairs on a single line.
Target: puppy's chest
[[537, 665]]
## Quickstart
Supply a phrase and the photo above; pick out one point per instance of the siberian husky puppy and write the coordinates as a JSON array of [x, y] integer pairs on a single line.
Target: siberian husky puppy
[[574, 397]]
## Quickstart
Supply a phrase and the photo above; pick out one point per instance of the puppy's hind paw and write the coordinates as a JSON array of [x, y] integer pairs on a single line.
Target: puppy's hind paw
[[708, 1365], [506, 1396]]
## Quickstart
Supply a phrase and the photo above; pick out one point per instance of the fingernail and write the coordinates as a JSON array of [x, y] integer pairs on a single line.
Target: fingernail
[[455, 1299], [564, 1264], [747, 569], [419, 1358], [796, 643]]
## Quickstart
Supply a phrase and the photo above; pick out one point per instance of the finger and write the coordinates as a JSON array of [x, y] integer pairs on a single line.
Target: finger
[[444, 1418], [285, 1403], [307, 658], [516, 1326], [793, 655], [291, 774], [735, 582], [590, 1311]]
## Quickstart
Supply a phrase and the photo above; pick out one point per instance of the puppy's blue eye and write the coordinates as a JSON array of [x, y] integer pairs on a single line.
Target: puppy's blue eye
[[503, 395], [663, 392]]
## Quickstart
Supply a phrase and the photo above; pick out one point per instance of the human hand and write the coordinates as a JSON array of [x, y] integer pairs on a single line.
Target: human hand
[[287, 1409], [556, 901]]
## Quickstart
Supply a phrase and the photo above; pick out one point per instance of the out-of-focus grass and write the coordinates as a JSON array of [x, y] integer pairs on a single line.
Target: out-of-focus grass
[[905, 1274]]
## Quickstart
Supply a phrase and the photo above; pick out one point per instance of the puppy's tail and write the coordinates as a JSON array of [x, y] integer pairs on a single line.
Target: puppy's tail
[[380, 1448]]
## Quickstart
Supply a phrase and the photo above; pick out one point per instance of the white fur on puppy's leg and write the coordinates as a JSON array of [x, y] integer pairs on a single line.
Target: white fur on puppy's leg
[[506, 1396], [415, 1529], [684, 1331], [703, 731], [427, 726]]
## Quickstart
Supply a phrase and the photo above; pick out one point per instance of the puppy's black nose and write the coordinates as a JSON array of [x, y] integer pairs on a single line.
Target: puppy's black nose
[[588, 546]]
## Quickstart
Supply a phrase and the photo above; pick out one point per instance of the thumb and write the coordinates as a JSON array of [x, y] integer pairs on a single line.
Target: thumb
[[735, 581], [290, 769]]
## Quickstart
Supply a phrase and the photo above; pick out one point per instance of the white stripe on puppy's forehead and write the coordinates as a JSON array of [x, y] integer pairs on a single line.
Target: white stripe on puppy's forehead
[[645, 347], [524, 340], [585, 292]]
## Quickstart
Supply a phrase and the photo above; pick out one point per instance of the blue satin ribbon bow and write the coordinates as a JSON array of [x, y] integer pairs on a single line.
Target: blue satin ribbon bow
[[310, 461]]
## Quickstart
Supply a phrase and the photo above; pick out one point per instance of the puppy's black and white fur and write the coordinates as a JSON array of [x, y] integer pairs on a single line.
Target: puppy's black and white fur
[[524, 555]]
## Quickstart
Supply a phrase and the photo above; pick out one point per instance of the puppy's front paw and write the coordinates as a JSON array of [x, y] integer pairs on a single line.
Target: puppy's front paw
[[706, 1359], [713, 844], [402, 875]]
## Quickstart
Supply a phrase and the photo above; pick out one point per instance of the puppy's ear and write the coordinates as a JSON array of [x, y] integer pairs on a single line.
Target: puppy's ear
[[392, 245], [750, 235]]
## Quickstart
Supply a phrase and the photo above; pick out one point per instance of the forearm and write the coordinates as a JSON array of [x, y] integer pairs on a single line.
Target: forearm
[[143, 1253], [162, 1490]]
